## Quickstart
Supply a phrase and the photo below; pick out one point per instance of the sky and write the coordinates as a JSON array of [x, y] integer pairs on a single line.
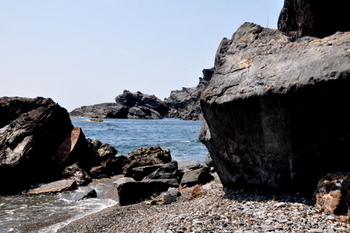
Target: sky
[[84, 52]]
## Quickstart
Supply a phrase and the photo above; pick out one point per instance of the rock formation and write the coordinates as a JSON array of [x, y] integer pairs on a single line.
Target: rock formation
[[127, 105], [31, 131], [104, 110], [39, 144], [317, 18], [184, 104], [275, 109]]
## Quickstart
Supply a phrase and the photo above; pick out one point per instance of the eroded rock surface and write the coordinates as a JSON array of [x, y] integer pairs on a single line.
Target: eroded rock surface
[[31, 132], [275, 109]]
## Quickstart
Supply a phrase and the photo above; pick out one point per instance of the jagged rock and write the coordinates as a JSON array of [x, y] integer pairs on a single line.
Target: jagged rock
[[54, 187], [146, 156], [275, 109], [197, 176], [142, 106], [31, 133], [320, 18], [74, 172], [127, 105], [333, 193], [185, 104]]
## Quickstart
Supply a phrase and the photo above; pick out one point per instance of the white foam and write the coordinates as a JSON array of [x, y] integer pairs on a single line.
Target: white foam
[[101, 204]]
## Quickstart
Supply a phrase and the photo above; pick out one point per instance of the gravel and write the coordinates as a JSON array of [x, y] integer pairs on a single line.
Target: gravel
[[214, 210]]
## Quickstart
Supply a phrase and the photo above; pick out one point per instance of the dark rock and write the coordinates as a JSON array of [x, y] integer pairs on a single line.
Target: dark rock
[[167, 174], [197, 176], [91, 194], [104, 110], [209, 161], [105, 151], [140, 172], [54, 187], [99, 172], [320, 18], [166, 171], [115, 164], [74, 172], [134, 192], [185, 103], [142, 106], [146, 156], [31, 133], [127, 105], [333, 193], [142, 112], [275, 111]]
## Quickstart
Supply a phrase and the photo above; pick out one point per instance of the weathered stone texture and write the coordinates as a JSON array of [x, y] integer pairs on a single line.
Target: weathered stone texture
[[276, 109]]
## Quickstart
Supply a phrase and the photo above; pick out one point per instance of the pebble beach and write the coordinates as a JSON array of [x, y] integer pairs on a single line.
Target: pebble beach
[[211, 208]]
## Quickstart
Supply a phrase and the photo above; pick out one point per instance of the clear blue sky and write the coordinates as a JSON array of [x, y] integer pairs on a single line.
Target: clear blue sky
[[83, 52]]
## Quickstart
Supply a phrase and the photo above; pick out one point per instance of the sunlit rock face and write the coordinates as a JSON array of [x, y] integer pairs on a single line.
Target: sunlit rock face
[[276, 110]]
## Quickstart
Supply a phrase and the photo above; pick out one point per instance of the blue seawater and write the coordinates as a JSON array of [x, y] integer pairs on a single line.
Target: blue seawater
[[126, 135]]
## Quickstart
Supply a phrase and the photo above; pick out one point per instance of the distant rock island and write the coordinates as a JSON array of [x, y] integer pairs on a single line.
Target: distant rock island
[[183, 104]]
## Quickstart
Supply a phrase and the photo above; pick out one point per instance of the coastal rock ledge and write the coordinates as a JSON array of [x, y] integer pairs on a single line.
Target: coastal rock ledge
[[275, 108]]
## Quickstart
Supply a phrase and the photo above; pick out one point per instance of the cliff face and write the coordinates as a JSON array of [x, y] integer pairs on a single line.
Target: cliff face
[[275, 109], [184, 104]]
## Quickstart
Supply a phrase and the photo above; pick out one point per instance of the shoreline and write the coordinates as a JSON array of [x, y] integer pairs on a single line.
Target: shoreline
[[211, 209]]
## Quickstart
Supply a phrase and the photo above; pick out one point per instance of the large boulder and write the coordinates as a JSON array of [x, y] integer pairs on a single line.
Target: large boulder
[[276, 110], [31, 132], [318, 18]]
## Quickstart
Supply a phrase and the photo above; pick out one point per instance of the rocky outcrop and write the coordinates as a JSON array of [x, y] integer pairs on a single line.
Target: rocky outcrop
[[275, 109], [127, 105], [321, 18], [184, 104], [39, 144], [31, 132], [104, 110]]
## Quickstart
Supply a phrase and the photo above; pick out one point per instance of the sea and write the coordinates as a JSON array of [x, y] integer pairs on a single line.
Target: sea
[[48, 213]]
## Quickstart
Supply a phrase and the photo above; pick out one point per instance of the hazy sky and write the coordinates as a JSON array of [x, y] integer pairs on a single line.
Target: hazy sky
[[83, 52]]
